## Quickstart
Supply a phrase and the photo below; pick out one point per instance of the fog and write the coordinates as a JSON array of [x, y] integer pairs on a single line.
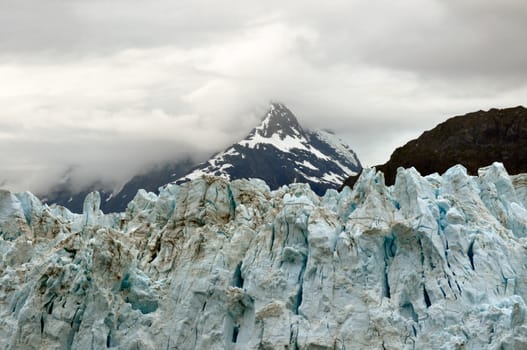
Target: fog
[[102, 90]]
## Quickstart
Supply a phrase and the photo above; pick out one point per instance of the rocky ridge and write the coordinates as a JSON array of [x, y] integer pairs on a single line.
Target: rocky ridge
[[474, 140], [431, 262]]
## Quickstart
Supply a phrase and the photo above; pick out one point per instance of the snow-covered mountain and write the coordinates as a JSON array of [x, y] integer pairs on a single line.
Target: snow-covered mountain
[[436, 262], [280, 152]]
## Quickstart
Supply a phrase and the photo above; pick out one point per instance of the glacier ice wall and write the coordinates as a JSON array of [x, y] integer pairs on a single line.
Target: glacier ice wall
[[431, 262]]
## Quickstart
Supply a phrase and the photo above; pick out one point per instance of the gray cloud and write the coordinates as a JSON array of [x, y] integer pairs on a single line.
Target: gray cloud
[[105, 89]]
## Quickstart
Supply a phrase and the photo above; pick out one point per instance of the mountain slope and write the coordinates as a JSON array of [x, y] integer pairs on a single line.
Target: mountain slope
[[281, 152], [433, 262], [117, 202], [475, 140]]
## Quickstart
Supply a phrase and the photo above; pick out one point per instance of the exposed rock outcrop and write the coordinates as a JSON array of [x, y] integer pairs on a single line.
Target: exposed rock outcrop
[[474, 140]]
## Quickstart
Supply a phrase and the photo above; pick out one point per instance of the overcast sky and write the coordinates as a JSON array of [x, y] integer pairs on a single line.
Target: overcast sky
[[105, 88]]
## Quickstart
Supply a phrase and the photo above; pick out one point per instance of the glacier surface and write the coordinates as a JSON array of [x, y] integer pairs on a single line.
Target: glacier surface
[[432, 262]]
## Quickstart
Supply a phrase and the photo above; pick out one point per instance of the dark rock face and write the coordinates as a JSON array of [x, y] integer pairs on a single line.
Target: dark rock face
[[474, 140]]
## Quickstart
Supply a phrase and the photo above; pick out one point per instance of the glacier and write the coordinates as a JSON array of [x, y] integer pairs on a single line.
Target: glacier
[[431, 262]]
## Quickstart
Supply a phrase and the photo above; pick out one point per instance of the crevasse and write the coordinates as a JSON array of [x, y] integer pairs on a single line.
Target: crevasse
[[432, 262]]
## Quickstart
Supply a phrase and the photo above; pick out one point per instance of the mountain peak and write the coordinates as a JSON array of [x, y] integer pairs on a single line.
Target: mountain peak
[[278, 120], [281, 152]]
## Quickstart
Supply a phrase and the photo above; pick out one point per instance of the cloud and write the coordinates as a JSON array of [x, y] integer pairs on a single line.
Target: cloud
[[106, 89], [106, 116]]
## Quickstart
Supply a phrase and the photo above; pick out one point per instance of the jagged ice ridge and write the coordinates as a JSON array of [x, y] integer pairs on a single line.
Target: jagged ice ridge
[[431, 262]]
